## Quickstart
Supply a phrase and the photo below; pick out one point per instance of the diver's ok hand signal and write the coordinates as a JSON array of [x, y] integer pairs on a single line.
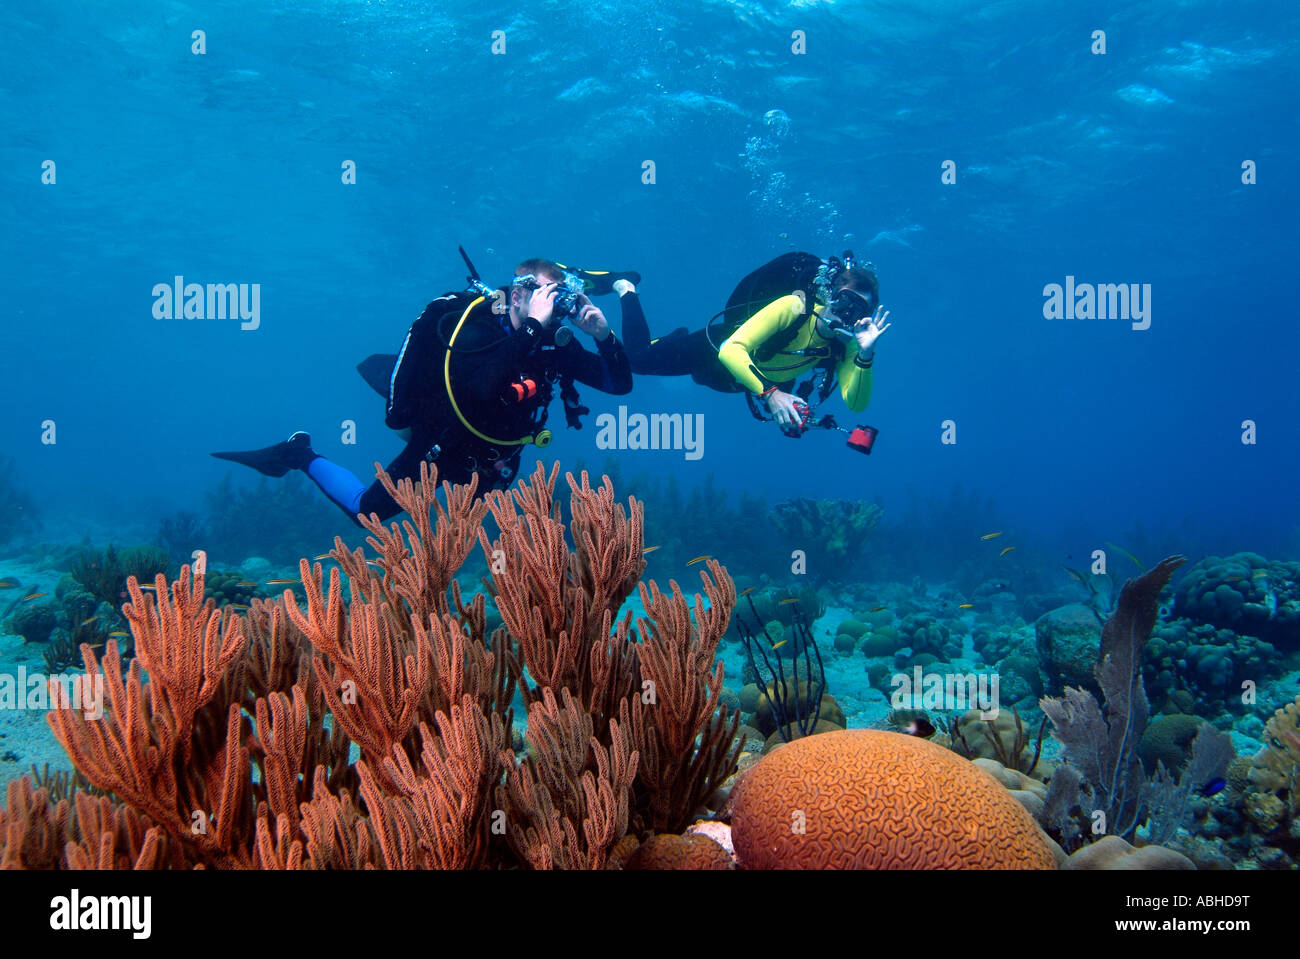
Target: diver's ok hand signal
[[868, 329]]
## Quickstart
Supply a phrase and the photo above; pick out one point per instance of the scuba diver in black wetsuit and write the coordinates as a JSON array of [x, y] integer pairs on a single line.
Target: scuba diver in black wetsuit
[[791, 316], [472, 383]]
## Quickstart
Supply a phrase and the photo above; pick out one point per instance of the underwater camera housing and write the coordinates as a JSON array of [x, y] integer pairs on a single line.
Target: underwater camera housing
[[796, 430], [566, 295], [567, 291]]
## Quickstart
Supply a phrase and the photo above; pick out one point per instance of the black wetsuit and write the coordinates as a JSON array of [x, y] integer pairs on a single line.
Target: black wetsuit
[[680, 353], [489, 357]]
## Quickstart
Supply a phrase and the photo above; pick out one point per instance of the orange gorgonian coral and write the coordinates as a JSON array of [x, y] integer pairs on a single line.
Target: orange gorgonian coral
[[228, 740]]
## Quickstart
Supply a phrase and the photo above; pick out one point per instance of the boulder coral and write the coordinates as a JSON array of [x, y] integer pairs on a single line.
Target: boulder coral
[[870, 799], [1205, 660], [1068, 639], [1168, 740], [925, 634], [1113, 853], [1244, 593]]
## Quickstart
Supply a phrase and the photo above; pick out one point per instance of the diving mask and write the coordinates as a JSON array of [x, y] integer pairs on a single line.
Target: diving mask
[[849, 307], [567, 291]]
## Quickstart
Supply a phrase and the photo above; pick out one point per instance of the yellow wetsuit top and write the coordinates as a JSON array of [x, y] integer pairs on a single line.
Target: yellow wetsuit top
[[739, 352]]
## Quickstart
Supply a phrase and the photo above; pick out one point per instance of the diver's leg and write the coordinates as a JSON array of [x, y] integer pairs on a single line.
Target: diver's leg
[[376, 499], [658, 357], [680, 353], [338, 483], [636, 331], [705, 368]]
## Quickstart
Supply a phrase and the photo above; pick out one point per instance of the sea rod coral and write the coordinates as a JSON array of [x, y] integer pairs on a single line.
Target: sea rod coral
[[371, 728]]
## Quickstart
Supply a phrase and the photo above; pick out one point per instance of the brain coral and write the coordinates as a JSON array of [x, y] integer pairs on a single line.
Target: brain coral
[[693, 851], [870, 799]]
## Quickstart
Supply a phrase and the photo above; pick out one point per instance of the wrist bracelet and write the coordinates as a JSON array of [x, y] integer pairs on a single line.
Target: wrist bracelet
[[767, 392]]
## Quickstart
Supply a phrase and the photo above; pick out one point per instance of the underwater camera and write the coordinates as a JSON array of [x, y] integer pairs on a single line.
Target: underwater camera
[[566, 296], [796, 430], [861, 438]]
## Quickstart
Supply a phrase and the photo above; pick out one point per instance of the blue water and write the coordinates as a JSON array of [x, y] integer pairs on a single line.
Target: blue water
[[226, 167]]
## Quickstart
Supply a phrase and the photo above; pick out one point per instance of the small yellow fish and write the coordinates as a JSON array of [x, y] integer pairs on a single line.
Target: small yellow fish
[[649, 549], [239, 606], [119, 634], [87, 622], [372, 562], [698, 559], [787, 602], [246, 584], [148, 589], [1258, 573], [780, 644], [877, 609], [966, 606], [30, 596], [748, 591], [1120, 549], [7, 584], [1235, 579], [324, 556], [1007, 550], [992, 535], [281, 582]]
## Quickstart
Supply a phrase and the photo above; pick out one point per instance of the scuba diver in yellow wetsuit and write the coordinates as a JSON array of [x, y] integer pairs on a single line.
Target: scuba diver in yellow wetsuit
[[792, 316]]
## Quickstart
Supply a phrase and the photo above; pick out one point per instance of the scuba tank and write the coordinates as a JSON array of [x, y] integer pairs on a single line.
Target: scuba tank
[[789, 273]]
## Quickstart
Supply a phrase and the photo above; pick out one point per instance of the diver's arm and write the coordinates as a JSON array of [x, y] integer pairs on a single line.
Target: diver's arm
[[855, 377], [855, 368], [737, 351], [608, 369]]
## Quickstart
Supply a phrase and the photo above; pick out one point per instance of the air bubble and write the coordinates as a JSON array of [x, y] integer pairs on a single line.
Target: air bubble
[[777, 122]]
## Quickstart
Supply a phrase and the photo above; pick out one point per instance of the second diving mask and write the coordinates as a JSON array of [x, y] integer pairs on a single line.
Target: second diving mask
[[850, 307]]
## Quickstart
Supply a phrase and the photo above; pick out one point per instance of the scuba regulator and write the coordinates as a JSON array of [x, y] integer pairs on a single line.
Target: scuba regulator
[[847, 307]]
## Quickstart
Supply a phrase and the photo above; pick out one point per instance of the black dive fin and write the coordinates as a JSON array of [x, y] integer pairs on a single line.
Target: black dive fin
[[377, 371], [600, 282], [293, 453]]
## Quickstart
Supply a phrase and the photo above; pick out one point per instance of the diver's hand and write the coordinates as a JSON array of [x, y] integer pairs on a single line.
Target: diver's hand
[[782, 407], [868, 329], [623, 286], [541, 305], [590, 319]]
